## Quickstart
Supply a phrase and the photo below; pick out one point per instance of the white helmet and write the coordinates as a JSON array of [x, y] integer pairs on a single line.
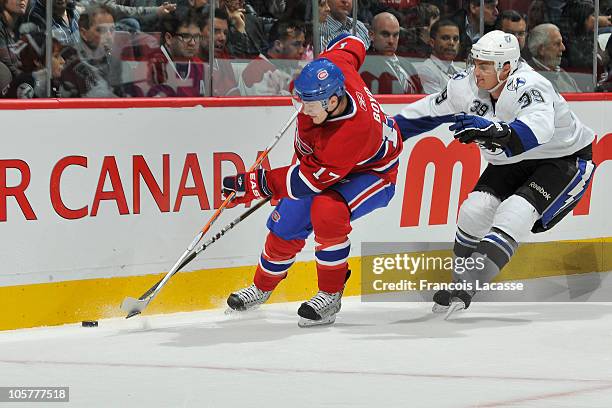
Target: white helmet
[[498, 47]]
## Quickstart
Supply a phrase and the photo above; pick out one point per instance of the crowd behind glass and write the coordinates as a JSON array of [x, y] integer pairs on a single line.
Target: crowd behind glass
[[136, 48]]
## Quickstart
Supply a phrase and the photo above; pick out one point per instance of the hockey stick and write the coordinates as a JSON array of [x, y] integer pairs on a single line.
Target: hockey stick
[[135, 306], [132, 305]]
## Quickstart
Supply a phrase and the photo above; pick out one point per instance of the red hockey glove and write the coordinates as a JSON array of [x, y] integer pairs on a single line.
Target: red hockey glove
[[247, 186]]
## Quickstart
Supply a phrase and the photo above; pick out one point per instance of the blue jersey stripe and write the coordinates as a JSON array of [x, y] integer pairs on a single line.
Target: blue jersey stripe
[[416, 126], [527, 137]]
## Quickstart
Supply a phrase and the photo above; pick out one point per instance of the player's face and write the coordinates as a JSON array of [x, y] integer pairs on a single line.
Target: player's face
[[446, 44], [386, 36], [550, 53], [315, 109], [518, 28], [485, 74]]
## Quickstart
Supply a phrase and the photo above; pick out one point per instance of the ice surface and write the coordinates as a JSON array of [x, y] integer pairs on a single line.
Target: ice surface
[[376, 355]]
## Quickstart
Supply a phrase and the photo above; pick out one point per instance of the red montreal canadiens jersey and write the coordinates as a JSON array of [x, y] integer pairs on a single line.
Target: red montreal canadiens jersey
[[362, 140]]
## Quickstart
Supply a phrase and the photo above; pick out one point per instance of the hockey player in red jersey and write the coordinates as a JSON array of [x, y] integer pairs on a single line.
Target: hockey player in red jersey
[[348, 157]]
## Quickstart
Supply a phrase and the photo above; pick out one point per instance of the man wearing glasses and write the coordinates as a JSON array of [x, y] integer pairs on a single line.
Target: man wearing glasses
[[175, 69], [512, 22]]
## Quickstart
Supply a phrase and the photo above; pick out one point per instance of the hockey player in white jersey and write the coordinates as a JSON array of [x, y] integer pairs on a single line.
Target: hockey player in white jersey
[[539, 155]]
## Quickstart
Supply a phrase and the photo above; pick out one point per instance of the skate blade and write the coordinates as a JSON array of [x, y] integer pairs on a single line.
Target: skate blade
[[436, 308], [455, 306], [311, 323], [251, 311]]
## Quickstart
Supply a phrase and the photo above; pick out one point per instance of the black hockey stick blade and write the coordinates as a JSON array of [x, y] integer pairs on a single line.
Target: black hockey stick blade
[[133, 306]]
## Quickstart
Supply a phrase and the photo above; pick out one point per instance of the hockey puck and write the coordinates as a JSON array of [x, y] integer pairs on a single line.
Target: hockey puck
[[89, 323]]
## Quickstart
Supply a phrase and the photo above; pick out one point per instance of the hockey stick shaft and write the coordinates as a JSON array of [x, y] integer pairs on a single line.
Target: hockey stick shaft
[[255, 165], [135, 306], [223, 231], [212, 240], [152, 292]]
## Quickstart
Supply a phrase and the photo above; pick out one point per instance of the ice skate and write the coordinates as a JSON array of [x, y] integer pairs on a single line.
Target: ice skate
[[460, 300], [248, 298], [442, 299], [322, 308]]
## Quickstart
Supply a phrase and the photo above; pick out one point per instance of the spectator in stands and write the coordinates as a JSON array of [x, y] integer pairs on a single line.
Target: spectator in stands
[[223, 79], [271, 74], [414, 40], [546, 47], [383, 72], [97, 27], [512, 22], [435, 72], [298, 15], [32, 82], [123, 9], [247, 37], [339, 22], [5, 79], [87, 69], [537, 14], [468, 21], [198, 5], [269, 8], [175, 69], [324, 11], [11, 14], [65, 25], [577, 26]]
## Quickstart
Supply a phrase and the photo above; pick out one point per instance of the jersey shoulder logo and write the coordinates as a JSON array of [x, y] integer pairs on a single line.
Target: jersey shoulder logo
[[460, 75], [362, 101], [516, 83]]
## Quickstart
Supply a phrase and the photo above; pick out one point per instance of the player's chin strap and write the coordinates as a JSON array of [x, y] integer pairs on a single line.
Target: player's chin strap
[[499, 81], [329, 114]]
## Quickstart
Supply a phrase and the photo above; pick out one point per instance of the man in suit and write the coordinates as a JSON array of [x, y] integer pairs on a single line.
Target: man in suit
[[383, 72]]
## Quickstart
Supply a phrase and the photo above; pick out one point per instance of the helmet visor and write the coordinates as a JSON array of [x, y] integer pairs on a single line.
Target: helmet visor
[[310, 108]]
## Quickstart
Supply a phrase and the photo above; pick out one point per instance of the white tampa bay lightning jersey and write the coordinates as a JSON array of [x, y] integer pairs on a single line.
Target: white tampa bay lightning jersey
[[541, 118]]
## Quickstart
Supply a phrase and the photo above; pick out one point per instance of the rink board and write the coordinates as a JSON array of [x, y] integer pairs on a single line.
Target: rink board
[[98, 198]]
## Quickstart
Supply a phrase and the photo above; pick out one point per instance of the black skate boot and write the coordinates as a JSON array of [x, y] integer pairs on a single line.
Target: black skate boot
[[248, 298], [460, 300], [322, 308], [442, 300]]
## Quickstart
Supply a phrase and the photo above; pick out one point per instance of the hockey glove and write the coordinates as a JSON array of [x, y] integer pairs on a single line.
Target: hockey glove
[[247, 186], [490, 135]]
